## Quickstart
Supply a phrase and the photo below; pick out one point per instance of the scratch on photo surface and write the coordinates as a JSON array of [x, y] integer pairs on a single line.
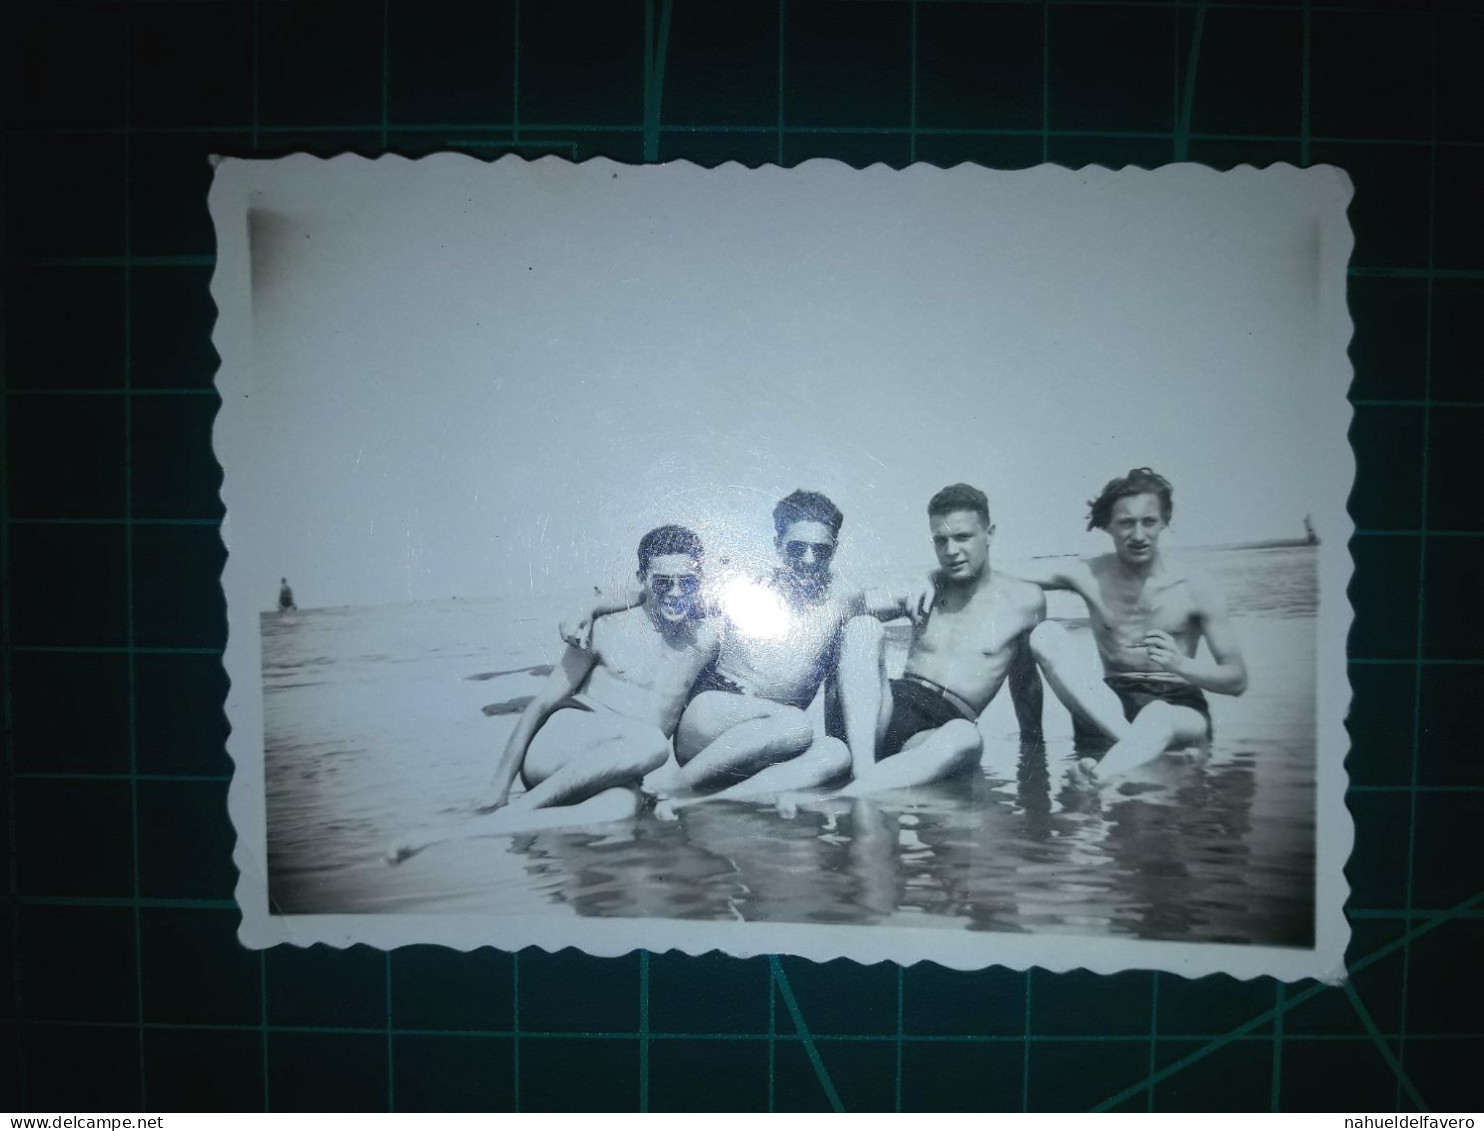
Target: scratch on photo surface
[[411, 553]]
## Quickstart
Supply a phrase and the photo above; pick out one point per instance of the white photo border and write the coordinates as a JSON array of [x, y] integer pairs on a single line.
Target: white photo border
[[234, 183]]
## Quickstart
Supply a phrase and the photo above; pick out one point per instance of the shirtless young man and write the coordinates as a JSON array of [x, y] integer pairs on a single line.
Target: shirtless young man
[[924, 726], [745, 732], [1149, 614], [605, 715]]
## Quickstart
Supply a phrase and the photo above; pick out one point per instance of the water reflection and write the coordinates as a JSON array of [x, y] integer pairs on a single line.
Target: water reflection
[[974, 853], [649, 870], [787, 870]]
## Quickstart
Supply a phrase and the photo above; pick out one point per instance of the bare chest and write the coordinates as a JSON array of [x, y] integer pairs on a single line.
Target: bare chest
[[1147, 605], [986, 624], [774, 632], [645, 658]]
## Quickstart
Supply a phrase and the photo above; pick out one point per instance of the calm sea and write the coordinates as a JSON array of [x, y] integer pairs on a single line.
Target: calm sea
[[383, 719]]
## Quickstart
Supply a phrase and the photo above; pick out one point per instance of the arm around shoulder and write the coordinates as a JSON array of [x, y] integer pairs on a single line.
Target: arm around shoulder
[[1050, 573], [577, 627], [882, 602], [1032, 601]]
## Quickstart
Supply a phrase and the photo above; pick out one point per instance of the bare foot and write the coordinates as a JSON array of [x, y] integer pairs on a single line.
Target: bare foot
[[1080, 792]]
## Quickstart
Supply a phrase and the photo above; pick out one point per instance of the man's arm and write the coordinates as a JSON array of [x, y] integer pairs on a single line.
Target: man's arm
[[1225, 673], [913, 603], [1048, 573], [577, 629], [1027, 694], [565, 678]]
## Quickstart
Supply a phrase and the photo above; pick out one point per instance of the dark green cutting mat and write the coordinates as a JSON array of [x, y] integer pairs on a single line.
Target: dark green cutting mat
[[129, 989]]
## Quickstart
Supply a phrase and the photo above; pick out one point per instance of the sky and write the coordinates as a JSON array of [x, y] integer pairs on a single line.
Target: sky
[[449, 378]]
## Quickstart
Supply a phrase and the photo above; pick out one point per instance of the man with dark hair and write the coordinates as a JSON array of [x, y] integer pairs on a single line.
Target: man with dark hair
[[1149, 614], [605, 715], [924, 727], [806, 506], [745, 732], [1139, 481], [960, 497]]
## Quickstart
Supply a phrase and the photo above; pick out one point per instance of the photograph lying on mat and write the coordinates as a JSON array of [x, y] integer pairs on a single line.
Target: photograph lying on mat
[[925, 564]]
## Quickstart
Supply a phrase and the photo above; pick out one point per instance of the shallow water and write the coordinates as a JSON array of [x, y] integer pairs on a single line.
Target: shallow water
[[383, 719]]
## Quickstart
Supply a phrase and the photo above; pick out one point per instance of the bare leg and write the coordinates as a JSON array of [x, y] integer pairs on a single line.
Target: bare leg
[[744, 748], [865, 692], [1155, 729], [928, 757], [615, 804], [561, 771], [823, 762], [1080, 692], [577, 757]]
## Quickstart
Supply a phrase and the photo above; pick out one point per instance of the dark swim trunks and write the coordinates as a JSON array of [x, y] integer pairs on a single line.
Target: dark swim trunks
[[713, 680], [917, 705], [1136, 693]]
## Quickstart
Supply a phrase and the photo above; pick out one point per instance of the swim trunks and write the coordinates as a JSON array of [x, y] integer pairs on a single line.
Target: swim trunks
[[917, 705], [712, 680], [1136, 692]]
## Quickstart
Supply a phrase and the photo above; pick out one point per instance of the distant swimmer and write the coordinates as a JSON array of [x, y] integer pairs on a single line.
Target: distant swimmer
[[1149, 614], [971, 640], [605, 716], [286, 597]]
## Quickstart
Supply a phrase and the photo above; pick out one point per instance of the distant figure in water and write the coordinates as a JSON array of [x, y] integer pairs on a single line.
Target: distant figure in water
[[605, 716], [1149, 614], [286, 597]]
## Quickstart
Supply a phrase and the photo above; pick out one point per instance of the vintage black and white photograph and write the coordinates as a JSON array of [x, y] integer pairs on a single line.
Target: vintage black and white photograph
[[911, 564]]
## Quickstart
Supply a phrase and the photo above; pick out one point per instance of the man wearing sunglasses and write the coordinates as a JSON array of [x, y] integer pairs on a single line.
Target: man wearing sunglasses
[[745, 732], [605, 716]]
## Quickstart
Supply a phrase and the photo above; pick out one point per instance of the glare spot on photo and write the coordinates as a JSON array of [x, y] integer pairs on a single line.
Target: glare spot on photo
[[755, 609]]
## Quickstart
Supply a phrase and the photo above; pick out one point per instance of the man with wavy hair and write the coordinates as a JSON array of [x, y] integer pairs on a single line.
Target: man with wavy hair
[[1149, 613]]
